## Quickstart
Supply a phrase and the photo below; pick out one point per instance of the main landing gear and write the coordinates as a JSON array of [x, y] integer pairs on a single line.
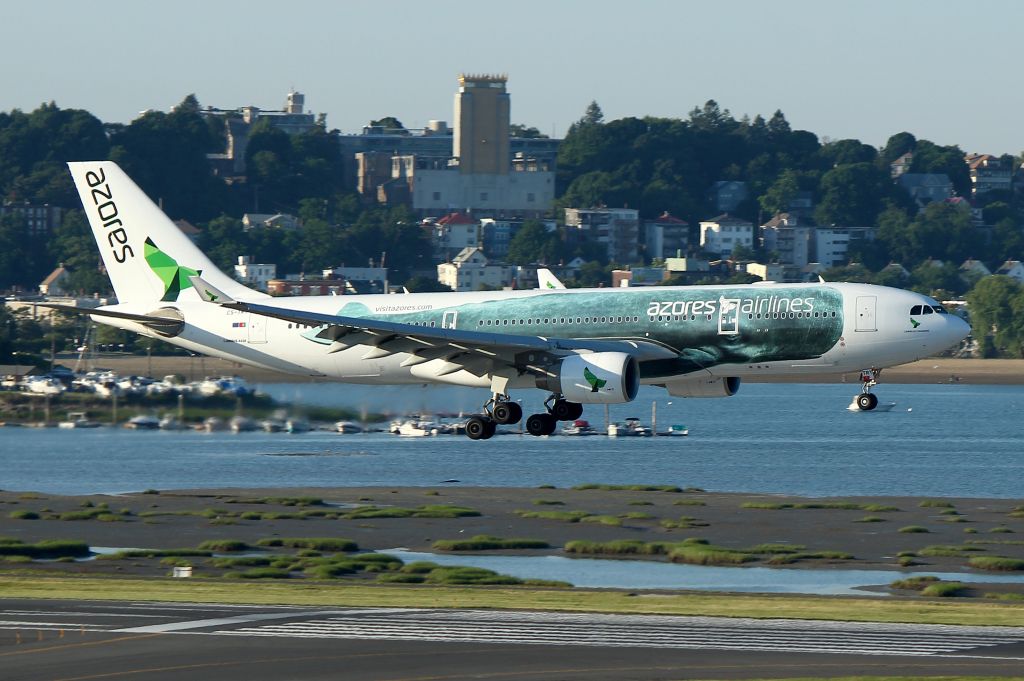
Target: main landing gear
[[499, 410], [867, 400], [558, 409]]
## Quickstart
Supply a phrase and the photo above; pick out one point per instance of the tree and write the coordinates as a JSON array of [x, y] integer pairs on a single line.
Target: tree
[[533, 244], [996, 309], [391, 124], [593, 115], [852, 195], [897, 145], [517, 130], [780, 195]]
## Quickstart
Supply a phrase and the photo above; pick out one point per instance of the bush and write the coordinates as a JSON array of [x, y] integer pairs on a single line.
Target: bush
[[945, 590], [316, 543], [224, 545], [483, 542], [996, 563]]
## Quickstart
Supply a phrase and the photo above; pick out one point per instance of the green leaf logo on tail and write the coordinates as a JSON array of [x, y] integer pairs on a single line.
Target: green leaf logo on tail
[[914, 322], [174, 276], [549, 284], [595, 382]]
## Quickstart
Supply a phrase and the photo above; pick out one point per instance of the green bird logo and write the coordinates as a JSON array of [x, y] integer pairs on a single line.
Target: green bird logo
[[174, 276], [914, 322], [549, 284], [595, 382]]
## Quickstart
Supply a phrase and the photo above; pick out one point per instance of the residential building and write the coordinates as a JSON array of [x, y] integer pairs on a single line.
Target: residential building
[[767, 271], [336, 281], [988, 173], [617, 229], [454, 232], [639, 276], [470, 270], [972, 270], [925, 188], [901, 166], [360, 279], [303, 286], [788, 239], [188, 229], [238, 122], [665, 237], [55, 282], [1013, 269], [831, 245], [687, 269], [723, 233], [256, 275], [727, 195], [495, 236], [41, 220]]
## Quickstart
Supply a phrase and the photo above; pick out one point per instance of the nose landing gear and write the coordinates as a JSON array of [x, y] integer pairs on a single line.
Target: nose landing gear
[[867, 400]]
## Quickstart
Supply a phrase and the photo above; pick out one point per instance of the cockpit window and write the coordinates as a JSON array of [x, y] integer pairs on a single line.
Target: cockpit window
[[915, 310], [927, 309], [939, 309]]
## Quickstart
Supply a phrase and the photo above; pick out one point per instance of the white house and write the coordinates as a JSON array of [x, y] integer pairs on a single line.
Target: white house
[[723, 233], [257, 275], [471, 271], [1012, 269], [832, 244]]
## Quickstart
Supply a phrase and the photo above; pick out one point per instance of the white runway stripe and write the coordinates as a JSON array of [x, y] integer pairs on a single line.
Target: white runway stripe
[[536, 628]]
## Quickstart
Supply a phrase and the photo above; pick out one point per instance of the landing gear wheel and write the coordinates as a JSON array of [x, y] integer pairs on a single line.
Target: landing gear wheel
[[507, 413], [491, 428], [867, 401], [563, 410], [479, 427], [540, 424]]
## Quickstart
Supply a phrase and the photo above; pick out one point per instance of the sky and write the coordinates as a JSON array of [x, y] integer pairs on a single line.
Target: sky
[[864, 69]]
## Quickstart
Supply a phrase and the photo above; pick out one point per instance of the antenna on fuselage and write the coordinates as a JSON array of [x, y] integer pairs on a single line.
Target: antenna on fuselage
[[821, 279]]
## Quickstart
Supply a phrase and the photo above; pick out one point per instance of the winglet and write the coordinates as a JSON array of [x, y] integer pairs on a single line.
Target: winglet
[[210, 293]]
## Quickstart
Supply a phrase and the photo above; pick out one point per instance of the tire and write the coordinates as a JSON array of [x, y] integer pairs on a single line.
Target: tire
[[540, 424], [489, 431], [507, 413], [476, 427], [866, 401], [577, 411], [562, 411]]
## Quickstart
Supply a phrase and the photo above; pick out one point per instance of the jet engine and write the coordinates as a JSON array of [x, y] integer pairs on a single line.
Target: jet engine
[[594, 378], [704, 387]]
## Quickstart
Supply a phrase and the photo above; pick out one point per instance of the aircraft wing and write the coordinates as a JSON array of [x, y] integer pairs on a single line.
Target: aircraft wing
[[477, 352]]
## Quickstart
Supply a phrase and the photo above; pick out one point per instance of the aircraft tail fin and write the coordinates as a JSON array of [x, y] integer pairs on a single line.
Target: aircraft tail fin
[[546, 279], [147, 257]]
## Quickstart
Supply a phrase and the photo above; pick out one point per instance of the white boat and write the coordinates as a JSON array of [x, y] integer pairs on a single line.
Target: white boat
[[272, 425], [579, 427], [676, 430], [416, 429], [631, 428], [880, 407], [347, 427], [44, 385], [223, 385], [143, 423], [243, 424], [78, 419], [171, 423], [297, 426], [213, 424]]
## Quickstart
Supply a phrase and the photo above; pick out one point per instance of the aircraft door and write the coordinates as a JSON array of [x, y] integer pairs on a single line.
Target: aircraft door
[[866, 313], [257, 328], [449, 319]]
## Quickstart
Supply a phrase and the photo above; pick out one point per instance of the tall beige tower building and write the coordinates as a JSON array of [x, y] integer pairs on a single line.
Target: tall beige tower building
[[481, 141]]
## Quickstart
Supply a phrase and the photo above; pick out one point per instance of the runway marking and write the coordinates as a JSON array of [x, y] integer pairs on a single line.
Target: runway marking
[[236, 619], [639, 631]]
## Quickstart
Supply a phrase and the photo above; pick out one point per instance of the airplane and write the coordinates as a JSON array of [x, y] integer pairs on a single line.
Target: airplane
[[581, 346]]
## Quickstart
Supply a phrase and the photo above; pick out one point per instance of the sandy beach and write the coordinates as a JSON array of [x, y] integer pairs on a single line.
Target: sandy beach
[[864, 533]]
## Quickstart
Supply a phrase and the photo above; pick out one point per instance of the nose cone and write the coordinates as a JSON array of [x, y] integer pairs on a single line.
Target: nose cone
[[954, 330]]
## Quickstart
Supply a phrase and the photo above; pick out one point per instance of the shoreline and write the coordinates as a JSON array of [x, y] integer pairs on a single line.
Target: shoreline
[[925, 371]]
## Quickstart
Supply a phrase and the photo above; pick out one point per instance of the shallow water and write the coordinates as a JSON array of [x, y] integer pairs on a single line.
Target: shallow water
[[940, 440]]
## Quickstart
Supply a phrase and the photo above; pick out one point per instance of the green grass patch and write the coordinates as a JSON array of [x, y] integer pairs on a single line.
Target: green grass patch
[[428, 511], [689, 502], [629, 488], [155, 553], [224, 545], [242, 561], [279, 501], [789, 558], [996, 563], [622, 547], [315, 543], [684, 522], [641, 503], [483, 542], [914, 529], [818, 505], [636, 515], [1004, 596], [916, 583], [945, 590], [870, 519], [23, 515], [564, 516], [547, 502], [936, 503], [946, 550], [610, 520], [1000, 530], [259, 573], [707, 554]]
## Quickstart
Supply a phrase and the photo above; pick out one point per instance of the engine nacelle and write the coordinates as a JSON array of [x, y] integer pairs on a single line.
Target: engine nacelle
[[704, 387], [595, 378]]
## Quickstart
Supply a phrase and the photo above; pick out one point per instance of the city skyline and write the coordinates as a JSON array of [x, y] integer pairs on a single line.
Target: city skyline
[[940, 70]]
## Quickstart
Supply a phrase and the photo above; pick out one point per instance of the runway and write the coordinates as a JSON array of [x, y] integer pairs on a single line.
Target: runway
[[43, 639]]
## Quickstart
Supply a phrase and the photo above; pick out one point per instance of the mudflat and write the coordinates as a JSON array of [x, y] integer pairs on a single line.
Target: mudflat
[[885, 533]]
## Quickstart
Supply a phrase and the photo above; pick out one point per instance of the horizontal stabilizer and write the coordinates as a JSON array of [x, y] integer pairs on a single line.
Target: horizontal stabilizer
[[166, 321], [208, 292]]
